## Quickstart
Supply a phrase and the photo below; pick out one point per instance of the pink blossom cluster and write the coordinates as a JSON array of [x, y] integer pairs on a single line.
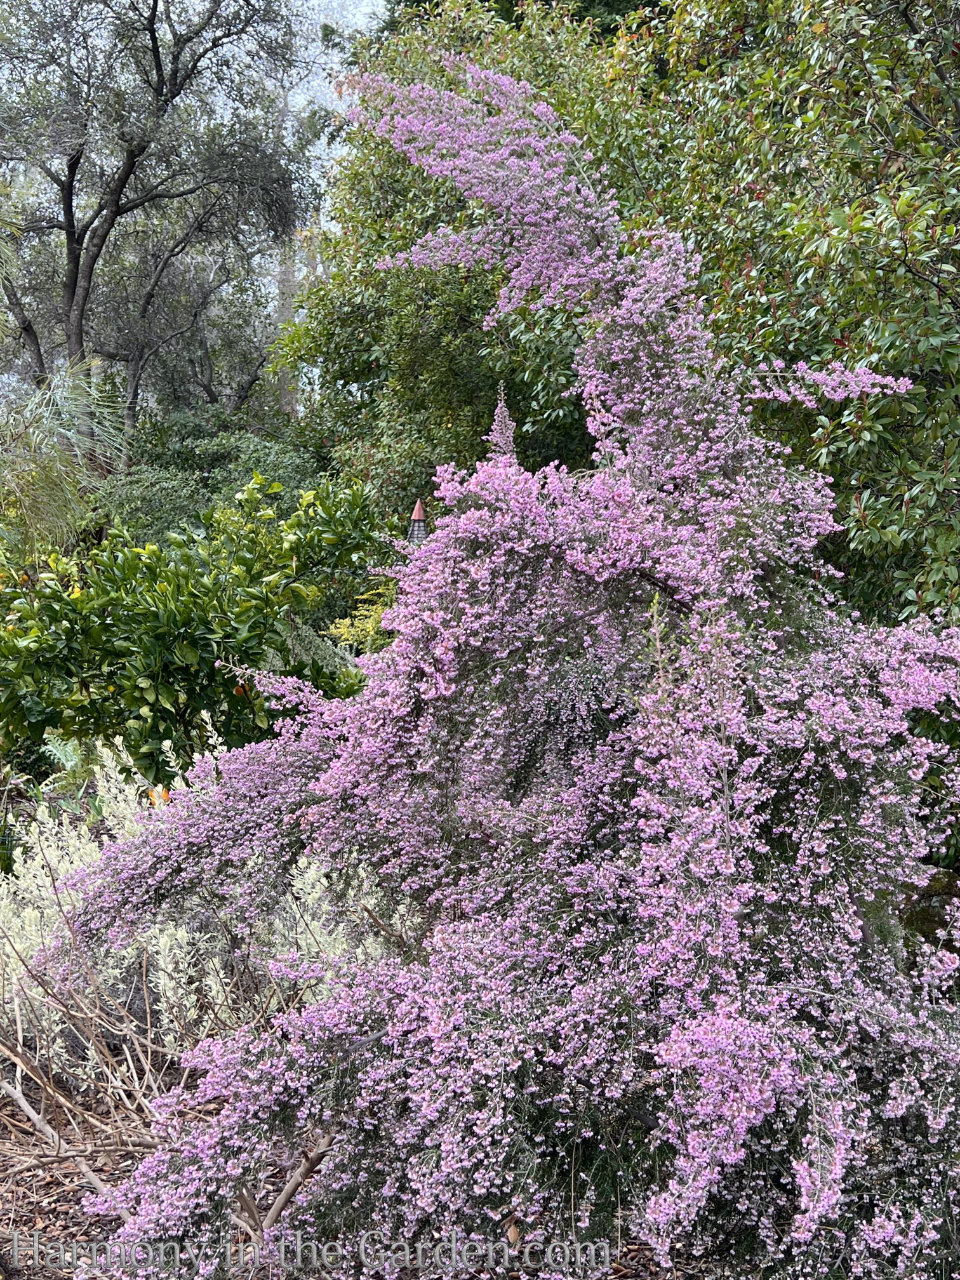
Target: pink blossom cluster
[[836, 382], [544, 220], [618, 839]]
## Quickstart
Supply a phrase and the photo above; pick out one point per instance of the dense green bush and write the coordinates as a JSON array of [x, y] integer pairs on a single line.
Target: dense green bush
[[811, 152], [605, 16], [186, 461], [407, 378], [149, 642]]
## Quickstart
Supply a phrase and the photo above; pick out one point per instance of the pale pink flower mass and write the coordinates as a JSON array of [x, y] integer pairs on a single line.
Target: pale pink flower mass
[[638, 802]]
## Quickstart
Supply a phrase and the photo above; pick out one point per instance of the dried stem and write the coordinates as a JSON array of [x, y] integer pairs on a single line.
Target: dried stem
[[55, 1140]]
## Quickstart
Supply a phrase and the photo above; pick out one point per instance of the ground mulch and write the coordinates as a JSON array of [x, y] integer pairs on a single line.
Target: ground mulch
[[42, 1192]]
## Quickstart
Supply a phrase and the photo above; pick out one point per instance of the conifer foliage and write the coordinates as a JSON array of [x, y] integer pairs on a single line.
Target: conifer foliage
[[617, 843]]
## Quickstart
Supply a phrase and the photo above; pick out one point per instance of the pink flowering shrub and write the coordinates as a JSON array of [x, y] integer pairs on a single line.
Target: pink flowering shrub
[[617, 841]]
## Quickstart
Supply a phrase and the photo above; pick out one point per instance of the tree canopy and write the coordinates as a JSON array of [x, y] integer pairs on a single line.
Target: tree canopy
[[150, 158]]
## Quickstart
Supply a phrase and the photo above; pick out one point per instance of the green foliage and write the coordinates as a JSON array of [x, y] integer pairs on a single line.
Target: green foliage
[[407, 378], [66, 766], [605, 16], [363, 630], [151, 642], [8, 844], [810, 153], [186, 461]]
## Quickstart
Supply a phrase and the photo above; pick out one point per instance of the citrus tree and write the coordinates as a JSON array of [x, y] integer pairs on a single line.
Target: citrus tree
[[150, 643]]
